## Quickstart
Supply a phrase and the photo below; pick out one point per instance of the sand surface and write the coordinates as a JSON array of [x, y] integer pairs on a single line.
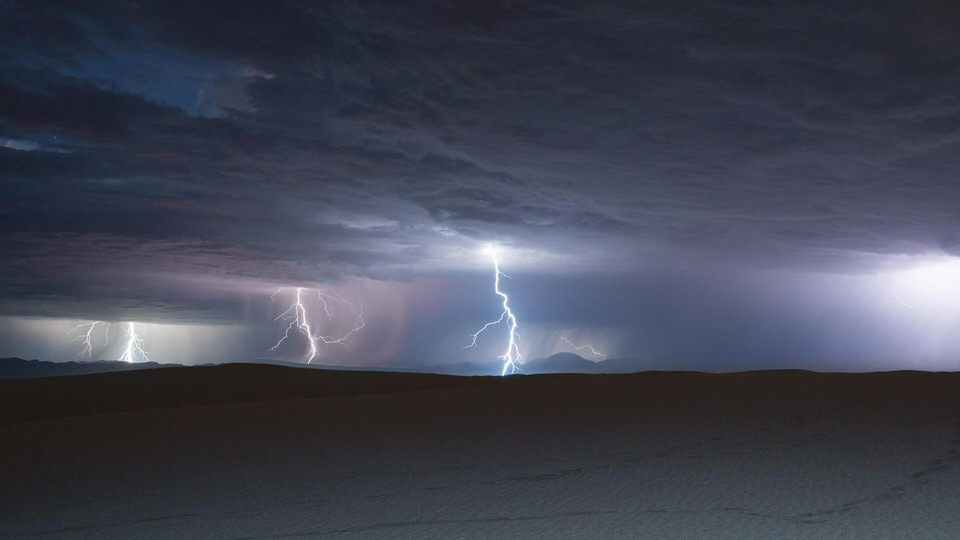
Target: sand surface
[[270, 452]]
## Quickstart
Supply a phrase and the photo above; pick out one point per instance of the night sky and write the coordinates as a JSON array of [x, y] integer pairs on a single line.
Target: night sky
[[715, 185]]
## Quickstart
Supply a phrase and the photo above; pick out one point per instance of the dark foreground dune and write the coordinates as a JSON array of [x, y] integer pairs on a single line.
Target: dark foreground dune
[[250, 451]]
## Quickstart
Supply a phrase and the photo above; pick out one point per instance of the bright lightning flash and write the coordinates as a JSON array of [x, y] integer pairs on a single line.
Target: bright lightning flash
[[584, 346], [934, 284], [133, 350], [84, 334], [299, 321], [512, 358]]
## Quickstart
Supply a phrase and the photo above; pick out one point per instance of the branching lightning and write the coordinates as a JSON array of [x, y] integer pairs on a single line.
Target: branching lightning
[[584, 346], [512, 358], [84, 334], [133, 350], [299, 319]]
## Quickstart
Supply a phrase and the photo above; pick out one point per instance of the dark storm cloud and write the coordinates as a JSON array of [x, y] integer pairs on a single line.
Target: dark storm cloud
[[309, 140]]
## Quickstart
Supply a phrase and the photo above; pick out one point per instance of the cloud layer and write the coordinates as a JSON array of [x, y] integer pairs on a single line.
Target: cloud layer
[[303, 142]]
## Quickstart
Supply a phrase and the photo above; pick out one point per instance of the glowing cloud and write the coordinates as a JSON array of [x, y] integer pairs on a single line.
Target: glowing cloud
[[298, 315], [936, 281], [511, 357]]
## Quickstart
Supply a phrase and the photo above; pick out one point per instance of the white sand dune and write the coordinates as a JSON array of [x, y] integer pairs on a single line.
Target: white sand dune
[[756, 455]]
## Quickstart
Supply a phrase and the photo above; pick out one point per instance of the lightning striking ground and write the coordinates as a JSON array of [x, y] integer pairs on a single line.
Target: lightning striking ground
[[133, 350], [512, 358], [584, 346], [84, 334], [298, 316]]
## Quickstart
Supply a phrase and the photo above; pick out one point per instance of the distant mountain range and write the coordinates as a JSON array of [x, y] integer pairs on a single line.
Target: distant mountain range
[[16, 368], [574, 363]]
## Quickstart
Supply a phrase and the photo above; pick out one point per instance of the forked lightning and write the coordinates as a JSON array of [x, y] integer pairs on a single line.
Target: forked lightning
[[584, 346], [512, 358], [84, 334], [299, 319], [133, 350]]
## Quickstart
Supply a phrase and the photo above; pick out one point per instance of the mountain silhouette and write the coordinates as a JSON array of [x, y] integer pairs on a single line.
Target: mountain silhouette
[[16, 368]]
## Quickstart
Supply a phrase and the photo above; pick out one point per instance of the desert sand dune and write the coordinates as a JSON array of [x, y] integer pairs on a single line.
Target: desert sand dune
[[269, 452]]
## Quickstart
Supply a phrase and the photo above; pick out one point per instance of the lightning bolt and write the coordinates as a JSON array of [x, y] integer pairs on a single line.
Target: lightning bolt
[[133, 349], [913, 304], [84, 334], [511, 357], [299, 321], [584, 346]]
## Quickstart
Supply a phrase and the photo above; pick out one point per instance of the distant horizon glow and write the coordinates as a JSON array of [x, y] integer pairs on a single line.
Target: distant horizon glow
[[873, 324]]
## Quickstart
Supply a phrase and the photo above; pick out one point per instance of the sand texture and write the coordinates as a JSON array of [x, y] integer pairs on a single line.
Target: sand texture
[[272, 452]]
